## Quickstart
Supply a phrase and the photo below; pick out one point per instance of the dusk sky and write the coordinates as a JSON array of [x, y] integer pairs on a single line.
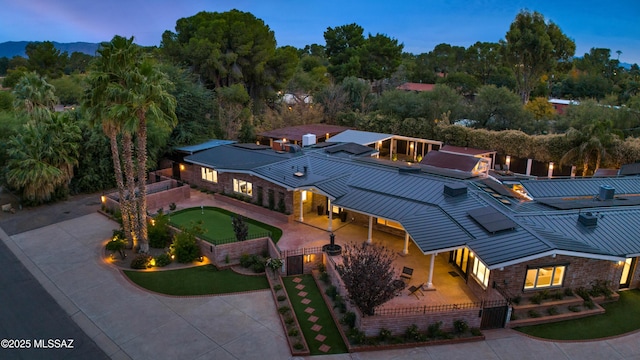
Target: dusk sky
[[418, 24]]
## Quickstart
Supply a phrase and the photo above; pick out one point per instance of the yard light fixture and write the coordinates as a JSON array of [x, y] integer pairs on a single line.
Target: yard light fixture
[[103, 199]]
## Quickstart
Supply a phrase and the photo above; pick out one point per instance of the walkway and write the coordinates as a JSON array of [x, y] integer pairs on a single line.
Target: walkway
[[129, 323]]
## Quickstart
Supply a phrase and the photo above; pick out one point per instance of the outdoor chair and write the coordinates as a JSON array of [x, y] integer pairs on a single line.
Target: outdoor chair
[[416, 290], [407, 273]]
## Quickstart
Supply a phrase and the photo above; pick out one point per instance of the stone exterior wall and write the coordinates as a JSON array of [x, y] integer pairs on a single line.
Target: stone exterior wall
[[580, 272], [193, 175]]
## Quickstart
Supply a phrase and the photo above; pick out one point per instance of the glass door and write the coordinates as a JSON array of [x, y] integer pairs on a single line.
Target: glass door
[[627, 272]]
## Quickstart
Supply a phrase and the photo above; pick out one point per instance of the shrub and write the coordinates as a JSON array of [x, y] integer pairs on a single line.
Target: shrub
[[568, 292], [284, 309], [289, 320], [245, 260], [172, 206], [117, 243], [324, 276], [516, 299], [349, 319], [356, 336], [537, 298], [331, 292], [589, 304], [600, 287], [583, 293], [185, 246], [163, 260], [322, 268], [340, 304], [293, 332], [574, 308], [385, 334], [257, 267], [557, 295], [282, 298], [140, 262], [552, 311], [434, 330], [277, 287], [298, 346], [460, 326], [158, 231], [412, 333], [475, 331], [533, 314]]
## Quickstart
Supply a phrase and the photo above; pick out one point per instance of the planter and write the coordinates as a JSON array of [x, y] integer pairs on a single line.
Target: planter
[[300, 338]]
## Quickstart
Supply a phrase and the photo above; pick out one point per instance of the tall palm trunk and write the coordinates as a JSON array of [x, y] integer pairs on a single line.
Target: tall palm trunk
[[142, 180], [129, 174], [117, 167]]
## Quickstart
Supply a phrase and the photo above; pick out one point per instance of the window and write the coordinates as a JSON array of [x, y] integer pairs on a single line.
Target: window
[[242, 187], [481, 272], [389, 223], [209, 175], [544, 277]]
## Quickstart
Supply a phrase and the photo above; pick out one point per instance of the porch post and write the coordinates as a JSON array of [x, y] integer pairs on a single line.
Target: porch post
[[529, 163], [330, 227], [391, 149], [430, 281], [301, 218], [370, 229], [405, 251]]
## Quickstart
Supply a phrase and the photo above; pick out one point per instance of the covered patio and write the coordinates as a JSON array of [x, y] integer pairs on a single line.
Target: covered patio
[[447, 287]]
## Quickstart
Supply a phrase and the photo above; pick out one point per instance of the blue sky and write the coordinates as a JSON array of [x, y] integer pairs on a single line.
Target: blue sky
[[418, 24]]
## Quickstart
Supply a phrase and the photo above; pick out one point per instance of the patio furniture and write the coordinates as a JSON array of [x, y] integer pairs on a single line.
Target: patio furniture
[[415, 290], [407, 273]]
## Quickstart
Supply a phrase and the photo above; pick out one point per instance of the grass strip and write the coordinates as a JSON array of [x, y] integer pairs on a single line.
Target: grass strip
[[200, 280], [620, 317], [218, 226], [329, 329]]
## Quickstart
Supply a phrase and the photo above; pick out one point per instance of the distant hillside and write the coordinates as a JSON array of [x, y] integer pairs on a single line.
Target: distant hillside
[[13, 48]]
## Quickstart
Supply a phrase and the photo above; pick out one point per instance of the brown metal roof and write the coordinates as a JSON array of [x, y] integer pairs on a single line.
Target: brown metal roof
[[409, 86], [450, 161]]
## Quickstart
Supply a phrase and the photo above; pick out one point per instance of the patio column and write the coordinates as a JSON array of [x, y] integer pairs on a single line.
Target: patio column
[[330, 227], [301, 218], [430, 281], [529, 163], [405, 251], [370, 229], [391, 149]]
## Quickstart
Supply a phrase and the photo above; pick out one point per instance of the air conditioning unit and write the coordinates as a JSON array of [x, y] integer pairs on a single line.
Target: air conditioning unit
[[454, 190], [308, 139], [606, 192], [588, 219]]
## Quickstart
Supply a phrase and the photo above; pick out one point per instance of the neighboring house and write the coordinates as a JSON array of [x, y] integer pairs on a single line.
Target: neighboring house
[[294, 134], [566, 233], [417, 87], [561, 105]]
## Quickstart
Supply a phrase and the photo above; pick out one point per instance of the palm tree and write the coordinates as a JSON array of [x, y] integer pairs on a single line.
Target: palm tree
[[593, 142], [126, 91], [42, 157], [34, 95]]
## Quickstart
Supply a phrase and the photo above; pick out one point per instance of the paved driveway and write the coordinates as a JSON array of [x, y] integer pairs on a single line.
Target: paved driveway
[[127, 322]]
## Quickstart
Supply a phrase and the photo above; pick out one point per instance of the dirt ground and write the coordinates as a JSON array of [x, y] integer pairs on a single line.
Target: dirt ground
[[29, 218]]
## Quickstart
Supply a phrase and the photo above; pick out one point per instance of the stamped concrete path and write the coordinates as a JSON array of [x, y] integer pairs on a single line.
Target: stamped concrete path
[[129, 323]]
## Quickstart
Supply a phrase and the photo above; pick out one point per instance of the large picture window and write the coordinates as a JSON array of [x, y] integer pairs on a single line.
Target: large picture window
[[242, 187], [480, 272], [544, 277], [209, 175]]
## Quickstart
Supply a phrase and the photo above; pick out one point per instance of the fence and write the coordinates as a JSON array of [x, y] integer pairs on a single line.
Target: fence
[[303, 251], [417, 310]]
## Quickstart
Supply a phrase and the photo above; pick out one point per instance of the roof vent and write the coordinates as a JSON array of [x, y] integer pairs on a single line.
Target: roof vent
[[606, 193], [454, 190], [587, 219]]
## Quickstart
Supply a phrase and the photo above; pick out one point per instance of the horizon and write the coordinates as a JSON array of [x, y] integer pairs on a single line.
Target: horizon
[[590, 24]]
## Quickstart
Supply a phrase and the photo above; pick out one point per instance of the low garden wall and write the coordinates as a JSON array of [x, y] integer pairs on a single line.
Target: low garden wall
[[253, 208]]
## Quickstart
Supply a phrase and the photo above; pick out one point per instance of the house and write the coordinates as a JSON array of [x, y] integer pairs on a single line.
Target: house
[[561, 105], [294, 134], [565, 233], [417, 87]]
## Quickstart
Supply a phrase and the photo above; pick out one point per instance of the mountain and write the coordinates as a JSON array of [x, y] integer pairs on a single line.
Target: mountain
[[13, 48]]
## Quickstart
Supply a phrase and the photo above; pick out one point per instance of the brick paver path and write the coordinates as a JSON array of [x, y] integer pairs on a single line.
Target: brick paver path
[[302, 297]]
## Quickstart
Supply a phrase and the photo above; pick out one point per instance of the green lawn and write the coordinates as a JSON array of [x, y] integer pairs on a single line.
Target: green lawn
[[329, 329], [200, 280], [621, 317], [217, 223]]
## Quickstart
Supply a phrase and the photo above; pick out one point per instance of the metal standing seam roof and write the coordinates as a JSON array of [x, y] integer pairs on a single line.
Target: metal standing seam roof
[[229, 157], [436, 221], [360, 137], [191, 149], [579, 187]]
